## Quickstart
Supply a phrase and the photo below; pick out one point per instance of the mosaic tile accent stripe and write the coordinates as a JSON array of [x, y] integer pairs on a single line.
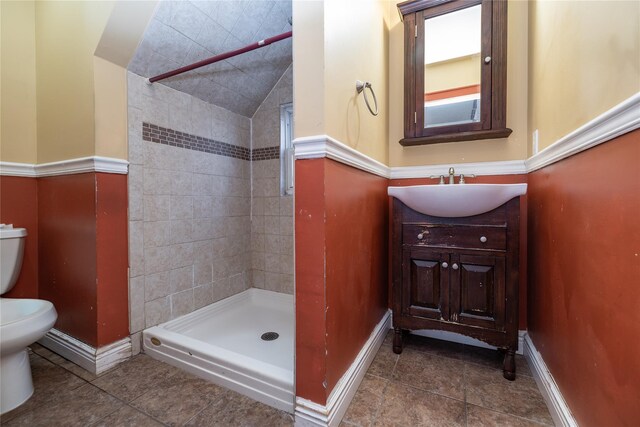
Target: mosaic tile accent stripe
[[175, 138], [166, 136], [267, 153]]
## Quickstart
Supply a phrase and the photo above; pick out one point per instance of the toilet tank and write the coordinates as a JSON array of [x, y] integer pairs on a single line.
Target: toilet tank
[[11, 251]]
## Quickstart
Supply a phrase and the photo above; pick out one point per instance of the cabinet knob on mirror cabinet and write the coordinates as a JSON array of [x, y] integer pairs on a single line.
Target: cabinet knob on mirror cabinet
[[483, 239], [454, 266], [445, 265]]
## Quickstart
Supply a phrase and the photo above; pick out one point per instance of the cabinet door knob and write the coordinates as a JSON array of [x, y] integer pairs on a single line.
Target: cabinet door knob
[[483, 239], [454, 266], [420, 236], [445, 265]]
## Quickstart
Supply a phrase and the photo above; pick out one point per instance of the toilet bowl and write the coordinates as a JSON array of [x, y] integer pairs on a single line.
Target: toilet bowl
[[22, 322]]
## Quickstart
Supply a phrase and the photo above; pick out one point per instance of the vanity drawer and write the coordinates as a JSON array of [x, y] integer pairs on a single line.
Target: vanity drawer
[[458, 236]]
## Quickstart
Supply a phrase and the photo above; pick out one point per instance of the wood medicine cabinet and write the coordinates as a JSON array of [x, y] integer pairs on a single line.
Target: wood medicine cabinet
[[455, 70]]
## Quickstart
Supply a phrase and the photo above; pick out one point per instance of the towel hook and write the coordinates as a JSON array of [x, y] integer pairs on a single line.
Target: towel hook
[[360, 87]]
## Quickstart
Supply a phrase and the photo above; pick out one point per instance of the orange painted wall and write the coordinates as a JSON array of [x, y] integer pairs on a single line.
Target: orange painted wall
[[356, 262], [19, 206], [341, 269], [67, 251], [584, 280], [83, 254], [497, 179], [310, 292], [112, 247]]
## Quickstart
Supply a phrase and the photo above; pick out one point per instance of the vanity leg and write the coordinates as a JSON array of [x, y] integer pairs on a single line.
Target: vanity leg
[[509, 367], [397, 340]]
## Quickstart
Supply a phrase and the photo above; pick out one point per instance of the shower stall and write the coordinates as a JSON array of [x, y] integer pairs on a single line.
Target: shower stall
[[210, 222]]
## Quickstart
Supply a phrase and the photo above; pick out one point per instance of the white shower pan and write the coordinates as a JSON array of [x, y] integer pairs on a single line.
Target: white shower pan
[[222, 343]]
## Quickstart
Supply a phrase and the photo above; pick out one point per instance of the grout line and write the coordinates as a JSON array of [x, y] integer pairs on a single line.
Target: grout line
[[428, 391], [511, 415]]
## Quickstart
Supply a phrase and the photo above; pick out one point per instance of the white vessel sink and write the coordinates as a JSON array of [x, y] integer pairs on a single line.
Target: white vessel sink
[[456, 200]]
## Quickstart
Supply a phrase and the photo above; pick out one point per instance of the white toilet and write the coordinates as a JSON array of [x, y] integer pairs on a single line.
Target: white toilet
[[22, 322]]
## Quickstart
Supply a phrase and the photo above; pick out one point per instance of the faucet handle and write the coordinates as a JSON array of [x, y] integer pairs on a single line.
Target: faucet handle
[[462, 181], [441, 177]]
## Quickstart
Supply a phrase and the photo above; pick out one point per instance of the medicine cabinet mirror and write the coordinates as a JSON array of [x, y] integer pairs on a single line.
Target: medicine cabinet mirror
[[455, 70]]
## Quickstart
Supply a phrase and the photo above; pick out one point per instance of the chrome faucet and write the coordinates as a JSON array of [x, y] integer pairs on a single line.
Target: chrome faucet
[[452, 176]]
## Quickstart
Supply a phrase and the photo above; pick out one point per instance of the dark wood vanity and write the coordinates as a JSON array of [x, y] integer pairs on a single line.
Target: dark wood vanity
[[458, 275]]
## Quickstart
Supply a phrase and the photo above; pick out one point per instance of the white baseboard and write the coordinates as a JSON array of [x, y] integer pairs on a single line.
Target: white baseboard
[[94, 360], [309, 413], [558, 408]]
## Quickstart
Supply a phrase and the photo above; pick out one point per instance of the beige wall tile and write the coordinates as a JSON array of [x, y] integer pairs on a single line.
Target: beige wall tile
[[286, 264], [272, 206], [286, 243], [157, 208], [157, 285], [238, 283], [157, 259], [203, 274], [272, 281], [258, 242], [286, 205], [220, 269], [181, 303], [202, 206], [257, 260], [182, 183], [272, 243], [203, 252], [156, 233], [286, 225], [182, 279], [221, 289], [157, 311], [272, 225], [190, 211], [202, 296], [136, 304], [135, 189], [271, 262], [181, 255], [203, 229], [181, 231], [157, 181], [257, 205], [257, 279], [136, 248], [182, 207]]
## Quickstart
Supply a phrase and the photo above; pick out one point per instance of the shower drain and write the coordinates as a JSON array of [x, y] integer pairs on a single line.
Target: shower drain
[[270, 336]]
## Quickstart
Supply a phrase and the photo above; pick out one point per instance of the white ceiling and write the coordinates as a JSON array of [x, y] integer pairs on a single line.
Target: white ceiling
[[183, 32]]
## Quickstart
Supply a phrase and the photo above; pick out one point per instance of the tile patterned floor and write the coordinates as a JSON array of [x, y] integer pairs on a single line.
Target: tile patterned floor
[[437, 383], [432, 383]]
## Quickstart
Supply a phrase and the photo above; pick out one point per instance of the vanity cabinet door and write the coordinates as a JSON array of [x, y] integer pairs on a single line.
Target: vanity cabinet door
[[478, 290], [425, 283]]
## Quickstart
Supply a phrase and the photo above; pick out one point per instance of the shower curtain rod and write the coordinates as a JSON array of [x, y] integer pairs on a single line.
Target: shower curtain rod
[[232, 53]]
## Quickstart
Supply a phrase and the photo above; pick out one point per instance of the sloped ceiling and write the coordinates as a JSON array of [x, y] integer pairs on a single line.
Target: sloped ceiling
[[184, 32]]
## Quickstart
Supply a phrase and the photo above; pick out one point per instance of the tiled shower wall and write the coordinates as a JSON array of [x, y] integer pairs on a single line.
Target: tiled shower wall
[[189, 203], [272, 213]]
